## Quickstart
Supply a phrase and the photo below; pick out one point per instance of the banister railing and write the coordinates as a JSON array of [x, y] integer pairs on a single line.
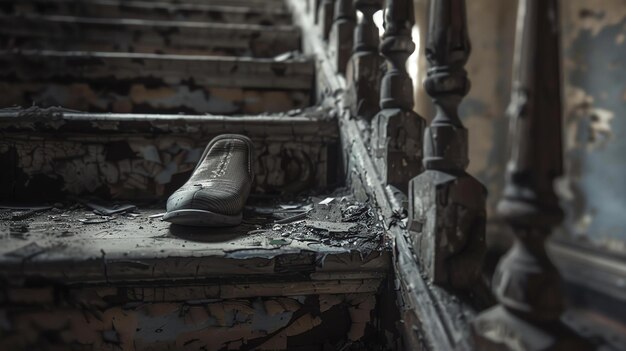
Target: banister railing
[[526, 283], [444, 241]]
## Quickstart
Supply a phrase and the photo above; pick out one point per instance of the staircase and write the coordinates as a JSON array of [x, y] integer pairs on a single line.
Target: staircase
[[108, 105]]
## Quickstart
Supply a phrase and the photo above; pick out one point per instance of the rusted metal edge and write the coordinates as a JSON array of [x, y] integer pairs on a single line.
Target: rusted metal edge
[[436, 309]]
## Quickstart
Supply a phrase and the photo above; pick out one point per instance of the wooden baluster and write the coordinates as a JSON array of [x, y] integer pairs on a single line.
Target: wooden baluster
[[397, 131], [363, 72], [325, 17], [315, 8], [342, 34], [447, 206], [526, 283]]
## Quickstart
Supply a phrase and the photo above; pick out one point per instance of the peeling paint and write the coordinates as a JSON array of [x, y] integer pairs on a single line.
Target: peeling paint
[[293, 154]]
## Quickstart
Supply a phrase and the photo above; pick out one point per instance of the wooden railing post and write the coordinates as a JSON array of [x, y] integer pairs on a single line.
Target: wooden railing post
[[526, 283], [363, 73], [342, 34], [325, 17], [397, 131], [447, 206]]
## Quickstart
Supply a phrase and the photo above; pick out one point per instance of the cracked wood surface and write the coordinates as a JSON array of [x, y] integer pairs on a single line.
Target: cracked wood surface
[[107, 321], [150, 156]]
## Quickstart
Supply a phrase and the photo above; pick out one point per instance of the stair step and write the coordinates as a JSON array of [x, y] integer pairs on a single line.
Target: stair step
[[138, 283], [153, 10], [149, 83], [258, 4], [147, 36], [54, 152]]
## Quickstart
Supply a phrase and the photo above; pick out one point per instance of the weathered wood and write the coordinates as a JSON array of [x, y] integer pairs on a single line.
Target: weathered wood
[[150, 83], [34, 31], [397, 131], [447, 214], [150, 156], [364, 72], [430, 317], [526, 283], [342, 34], [151, 10]]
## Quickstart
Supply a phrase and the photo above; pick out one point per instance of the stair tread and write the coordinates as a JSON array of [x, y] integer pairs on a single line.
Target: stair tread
[[140, 83], [58, 245], [136, 35], [240, 71], [161, 10]]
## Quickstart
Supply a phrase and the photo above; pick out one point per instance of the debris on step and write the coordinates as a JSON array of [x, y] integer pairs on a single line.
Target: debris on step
[[331, 227], [17, 212], [109, 210], [103, 219]]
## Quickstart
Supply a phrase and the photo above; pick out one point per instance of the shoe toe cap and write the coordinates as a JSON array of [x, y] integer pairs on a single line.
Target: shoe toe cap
[[214, 200]]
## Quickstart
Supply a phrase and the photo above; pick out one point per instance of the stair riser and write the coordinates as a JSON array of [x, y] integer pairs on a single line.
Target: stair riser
[[83, 34], [108, 321], [154, 84], [154, 11], [149, 159]]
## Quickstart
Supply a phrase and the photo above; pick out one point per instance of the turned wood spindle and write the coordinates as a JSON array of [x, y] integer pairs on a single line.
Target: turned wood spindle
[[364, 68], [526, 283], [397, 131], [326, 16], [315, 7], [342, 34], [397, 45], [447, 206]]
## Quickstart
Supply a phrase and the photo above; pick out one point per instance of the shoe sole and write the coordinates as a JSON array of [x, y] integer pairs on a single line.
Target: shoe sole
[[202, 218]]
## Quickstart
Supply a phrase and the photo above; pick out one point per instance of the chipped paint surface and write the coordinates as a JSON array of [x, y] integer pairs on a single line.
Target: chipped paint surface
[[594, 190], [269, 323], [149, 156]]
